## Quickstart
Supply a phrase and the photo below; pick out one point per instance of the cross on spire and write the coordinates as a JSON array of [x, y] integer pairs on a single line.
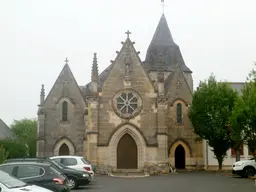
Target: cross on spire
[[66, 60], [128, 33], [163, 5]]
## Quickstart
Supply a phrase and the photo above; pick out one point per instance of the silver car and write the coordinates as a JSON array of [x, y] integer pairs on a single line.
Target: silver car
[[12, 184]]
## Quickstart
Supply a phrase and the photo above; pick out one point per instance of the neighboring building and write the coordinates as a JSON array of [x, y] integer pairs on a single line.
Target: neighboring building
[[210, 160], [5, 131], [131, 116]]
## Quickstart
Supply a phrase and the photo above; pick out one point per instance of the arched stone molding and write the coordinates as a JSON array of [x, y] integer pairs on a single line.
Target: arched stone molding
[[68, 100], [71, 109], [62, 141], [138, 138], [175, 144], [178, 100]]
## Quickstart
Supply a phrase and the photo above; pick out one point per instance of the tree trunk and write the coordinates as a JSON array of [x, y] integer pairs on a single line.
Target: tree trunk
[[220, 160], [238, 155]]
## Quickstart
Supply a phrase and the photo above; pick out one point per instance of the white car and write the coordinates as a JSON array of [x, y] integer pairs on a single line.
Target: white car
[[11, 184], [75, 162], [244, 168]]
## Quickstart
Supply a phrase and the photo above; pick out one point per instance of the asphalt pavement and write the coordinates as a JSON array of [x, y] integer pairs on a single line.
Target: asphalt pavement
[[183, 182]]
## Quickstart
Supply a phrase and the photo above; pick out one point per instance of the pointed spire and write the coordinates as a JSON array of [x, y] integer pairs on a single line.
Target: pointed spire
[[42, 95], [95, 72], [162, 34], [163, 43]]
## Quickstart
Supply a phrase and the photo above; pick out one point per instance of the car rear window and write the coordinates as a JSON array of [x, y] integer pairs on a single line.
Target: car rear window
[[85, 161]]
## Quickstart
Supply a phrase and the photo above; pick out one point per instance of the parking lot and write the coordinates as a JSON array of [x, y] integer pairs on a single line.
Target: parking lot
[[183, 182]]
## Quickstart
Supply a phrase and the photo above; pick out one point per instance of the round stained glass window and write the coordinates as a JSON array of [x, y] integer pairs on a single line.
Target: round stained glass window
[[127, 104]]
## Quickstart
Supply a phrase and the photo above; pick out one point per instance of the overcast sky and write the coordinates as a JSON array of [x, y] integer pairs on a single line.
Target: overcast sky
[[215, 36]]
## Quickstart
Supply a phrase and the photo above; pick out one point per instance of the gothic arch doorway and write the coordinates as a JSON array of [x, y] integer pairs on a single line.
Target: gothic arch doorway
[[127, 153], [180, 157], [64, 150]]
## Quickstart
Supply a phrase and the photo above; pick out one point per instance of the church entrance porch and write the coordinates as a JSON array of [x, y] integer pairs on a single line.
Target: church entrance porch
[[126, 149], [64, 147], [64, 150], [180, 157], [127, 153]]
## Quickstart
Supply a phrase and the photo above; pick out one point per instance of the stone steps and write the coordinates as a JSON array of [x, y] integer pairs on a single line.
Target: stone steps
[[128, 173]]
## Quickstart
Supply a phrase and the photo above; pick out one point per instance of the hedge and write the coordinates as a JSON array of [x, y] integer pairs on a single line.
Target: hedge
[[14, 148]]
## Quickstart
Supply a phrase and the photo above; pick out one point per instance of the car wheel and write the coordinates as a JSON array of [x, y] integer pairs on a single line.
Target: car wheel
[[248, 171], [71, 183]]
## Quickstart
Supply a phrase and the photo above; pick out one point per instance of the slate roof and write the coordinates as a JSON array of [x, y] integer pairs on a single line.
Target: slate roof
[[5, 131], [163, 44]]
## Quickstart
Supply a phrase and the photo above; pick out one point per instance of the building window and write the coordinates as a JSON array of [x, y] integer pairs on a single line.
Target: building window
[[233, 152], [179, 113], [127, 104], [64, 111]]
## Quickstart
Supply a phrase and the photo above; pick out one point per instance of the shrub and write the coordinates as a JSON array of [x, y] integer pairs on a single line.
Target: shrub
[[3, 154], [14, 148]]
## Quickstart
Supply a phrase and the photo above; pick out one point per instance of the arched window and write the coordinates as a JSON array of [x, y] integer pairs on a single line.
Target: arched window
[[64, 111], [179, 113]]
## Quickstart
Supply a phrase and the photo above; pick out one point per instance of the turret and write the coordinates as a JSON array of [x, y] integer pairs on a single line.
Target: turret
[[95, 74], [42, 95]]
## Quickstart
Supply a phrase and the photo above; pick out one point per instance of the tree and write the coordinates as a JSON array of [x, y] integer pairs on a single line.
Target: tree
[[209, 113], [248, 112], [14, 148], [238, 125], [26, 131], [3, 154]]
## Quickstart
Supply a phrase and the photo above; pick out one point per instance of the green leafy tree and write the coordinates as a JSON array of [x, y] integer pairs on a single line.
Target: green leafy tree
[[26, 131], [209, 113], [14, 148], [248, 111], [3, 154], [238, 125]]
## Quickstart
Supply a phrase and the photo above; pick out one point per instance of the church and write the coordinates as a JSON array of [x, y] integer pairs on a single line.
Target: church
[[133, 115]]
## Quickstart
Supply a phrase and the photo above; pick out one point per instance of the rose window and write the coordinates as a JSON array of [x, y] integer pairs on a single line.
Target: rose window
[[127, 104]]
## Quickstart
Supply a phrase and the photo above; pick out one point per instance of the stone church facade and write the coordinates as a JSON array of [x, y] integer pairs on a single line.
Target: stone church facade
[[131, 116]]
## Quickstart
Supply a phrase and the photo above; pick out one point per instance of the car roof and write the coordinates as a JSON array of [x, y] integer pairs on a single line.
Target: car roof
[[26, 163], [66, 156]]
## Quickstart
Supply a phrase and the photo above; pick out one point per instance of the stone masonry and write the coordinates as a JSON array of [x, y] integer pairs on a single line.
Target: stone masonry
[[149, 101]]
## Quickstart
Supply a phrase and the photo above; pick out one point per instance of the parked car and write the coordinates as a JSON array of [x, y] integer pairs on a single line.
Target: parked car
[[9, 183], [244, 168], [75, 162], [75, 177], [41, 174]]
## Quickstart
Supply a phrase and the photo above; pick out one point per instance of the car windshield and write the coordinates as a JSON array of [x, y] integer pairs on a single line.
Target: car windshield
[[11, 182], [85, 161]]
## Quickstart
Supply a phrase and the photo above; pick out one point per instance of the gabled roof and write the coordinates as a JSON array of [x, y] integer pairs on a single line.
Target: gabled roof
[[104, 75], [66, 70], [163, 44], [5, 131], [177, 74]]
